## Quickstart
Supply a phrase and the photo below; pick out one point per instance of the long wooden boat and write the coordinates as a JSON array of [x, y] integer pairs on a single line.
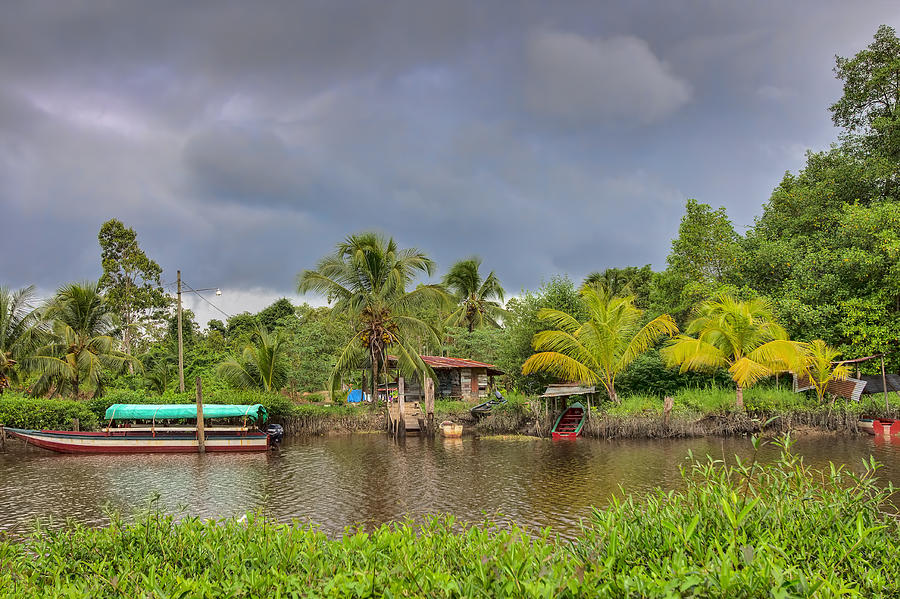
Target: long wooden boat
[[569, 423], [162, 438], [880, 427]]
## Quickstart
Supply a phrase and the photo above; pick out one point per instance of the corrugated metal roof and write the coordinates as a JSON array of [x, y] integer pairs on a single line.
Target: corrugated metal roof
[[568, 389], [442, 362]]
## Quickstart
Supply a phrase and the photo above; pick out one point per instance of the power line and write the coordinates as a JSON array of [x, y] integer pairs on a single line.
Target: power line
[[200, 295]]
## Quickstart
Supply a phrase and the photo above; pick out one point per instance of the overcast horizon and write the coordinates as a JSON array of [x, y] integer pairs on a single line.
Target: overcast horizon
[[243, 141]]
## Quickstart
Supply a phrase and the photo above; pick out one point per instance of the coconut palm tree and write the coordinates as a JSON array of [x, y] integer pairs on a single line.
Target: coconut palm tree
[[478, 298], [741, 336], [80, 347], [366, 277], [600, 348], [262, 364], [819, 365], [20, 330]]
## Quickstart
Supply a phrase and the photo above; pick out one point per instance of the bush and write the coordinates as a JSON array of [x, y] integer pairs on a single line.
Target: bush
[[19, 411]]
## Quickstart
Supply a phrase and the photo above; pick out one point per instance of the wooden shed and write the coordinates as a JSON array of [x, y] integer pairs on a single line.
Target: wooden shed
[[456, 378]]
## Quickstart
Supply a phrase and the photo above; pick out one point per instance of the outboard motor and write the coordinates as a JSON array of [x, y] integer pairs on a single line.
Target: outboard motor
[[276, 433]]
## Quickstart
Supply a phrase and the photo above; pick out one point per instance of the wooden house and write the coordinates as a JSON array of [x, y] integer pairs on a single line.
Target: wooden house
[[455, 378]]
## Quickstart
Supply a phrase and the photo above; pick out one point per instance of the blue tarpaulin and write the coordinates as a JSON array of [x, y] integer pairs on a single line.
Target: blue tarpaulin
[[356, 396]]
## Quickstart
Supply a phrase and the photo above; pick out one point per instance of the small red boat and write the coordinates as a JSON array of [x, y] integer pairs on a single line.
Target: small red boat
[[156, 438], [569, 423], [880, 427]]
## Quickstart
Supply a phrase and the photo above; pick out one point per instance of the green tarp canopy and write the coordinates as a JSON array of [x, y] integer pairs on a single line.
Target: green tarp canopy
[[131, 411]]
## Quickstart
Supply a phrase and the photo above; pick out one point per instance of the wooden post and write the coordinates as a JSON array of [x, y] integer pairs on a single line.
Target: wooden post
[[401, 407], [180, 345], [429, 404], [76, 425], [668, 404], [884, 384], [201, 431], [2, 439]]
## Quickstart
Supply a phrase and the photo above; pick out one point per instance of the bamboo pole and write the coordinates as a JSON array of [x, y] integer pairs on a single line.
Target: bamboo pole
[[201, 431]]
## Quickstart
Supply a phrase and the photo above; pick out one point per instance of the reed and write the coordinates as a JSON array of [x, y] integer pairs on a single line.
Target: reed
[[747, 530]]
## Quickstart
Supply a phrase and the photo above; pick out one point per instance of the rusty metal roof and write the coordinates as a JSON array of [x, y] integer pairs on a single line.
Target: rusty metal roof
[[442, 362]]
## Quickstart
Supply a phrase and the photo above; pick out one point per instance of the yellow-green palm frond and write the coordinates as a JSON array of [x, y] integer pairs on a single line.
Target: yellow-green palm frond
[[693, 354], [648, 336], [563, 343], [746, 372], [560, 320], [560, 365], [779, 355]]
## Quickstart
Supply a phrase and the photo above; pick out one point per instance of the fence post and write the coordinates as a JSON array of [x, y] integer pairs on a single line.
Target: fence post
[[201, 430]]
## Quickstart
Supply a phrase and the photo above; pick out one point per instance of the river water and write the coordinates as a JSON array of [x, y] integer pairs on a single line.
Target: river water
[[369, 479]]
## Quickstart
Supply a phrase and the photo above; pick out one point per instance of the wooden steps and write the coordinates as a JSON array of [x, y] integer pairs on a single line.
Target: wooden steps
[[569, 423]]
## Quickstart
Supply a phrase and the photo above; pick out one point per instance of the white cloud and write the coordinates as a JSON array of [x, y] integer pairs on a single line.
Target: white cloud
[[580, 79]]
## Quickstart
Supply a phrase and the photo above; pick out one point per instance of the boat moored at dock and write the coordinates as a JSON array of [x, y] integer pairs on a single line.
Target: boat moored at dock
[[160, 435]]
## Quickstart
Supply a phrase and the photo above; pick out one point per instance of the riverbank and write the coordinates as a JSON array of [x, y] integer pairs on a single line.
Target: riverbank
[[696, 412], [751, 531]]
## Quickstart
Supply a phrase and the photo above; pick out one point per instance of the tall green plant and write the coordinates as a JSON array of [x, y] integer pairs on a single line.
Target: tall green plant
[[741, 336], [262, 364], [819, 365], [478, 298], [20, 329], [366, 278], [602, 347], [81, 348]]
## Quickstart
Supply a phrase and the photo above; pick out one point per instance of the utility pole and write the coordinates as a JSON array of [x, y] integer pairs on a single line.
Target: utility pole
[[180, 347]]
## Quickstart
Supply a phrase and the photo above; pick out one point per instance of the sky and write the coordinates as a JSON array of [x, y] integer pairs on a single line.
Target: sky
[[243, 140]]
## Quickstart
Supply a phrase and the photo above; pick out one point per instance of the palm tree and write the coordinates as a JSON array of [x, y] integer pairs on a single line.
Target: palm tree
[[478, 299], [80, 348], [366, 278], [819, 365], [741, 336], [600, 348], [20, 330], [262, 364]]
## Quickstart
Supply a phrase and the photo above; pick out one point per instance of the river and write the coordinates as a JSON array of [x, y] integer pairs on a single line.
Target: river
[[369, 479]]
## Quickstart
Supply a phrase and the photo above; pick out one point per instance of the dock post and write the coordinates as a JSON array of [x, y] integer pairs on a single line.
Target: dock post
[[201, 431], [887, 406], [429, 404], [401, 407], [2, 439], [76, 425]]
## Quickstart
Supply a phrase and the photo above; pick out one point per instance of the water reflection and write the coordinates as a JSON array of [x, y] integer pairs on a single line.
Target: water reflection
[[371, 479]]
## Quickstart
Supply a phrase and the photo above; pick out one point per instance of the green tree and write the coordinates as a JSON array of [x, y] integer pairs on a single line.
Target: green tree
[[270, 316], [819, 364], [366, 278], [478, 298], [741, 336], [261, 365], [630, 280], [521, 322], [870, 104], [240, 328], [130, 282], [20, 331], [600, 348], [314, 340], [81, 348]]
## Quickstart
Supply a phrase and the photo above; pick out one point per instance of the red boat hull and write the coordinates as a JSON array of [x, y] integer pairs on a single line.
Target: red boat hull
[[102, 442], [883, 427], [569, 424]]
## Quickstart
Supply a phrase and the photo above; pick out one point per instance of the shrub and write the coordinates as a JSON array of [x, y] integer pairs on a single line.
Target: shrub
[[18, 411]]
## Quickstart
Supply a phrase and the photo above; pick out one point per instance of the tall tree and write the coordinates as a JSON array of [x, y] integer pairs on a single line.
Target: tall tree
[[130, 281], [81, 348], [366, 278], [20, 331], [741, 336], [269, 316], [478, 298], [600, 348], [819, 364], [261, 365], [870, 104]]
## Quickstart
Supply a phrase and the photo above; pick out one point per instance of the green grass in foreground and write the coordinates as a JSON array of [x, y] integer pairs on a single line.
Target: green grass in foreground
[[780, 530]]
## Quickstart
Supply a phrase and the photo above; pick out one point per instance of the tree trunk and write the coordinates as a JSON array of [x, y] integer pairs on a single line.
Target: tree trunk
[[740, 397], [612, 392]]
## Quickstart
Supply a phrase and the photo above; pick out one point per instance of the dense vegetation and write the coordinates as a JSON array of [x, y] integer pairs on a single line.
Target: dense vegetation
[[820, 265], [748, 530]]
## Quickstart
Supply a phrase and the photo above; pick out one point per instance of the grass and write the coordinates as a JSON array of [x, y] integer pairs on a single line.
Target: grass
[[749, 530]]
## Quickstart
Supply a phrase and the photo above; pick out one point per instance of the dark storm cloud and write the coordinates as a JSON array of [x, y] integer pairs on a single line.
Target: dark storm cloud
[[243, 140]]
